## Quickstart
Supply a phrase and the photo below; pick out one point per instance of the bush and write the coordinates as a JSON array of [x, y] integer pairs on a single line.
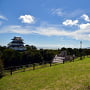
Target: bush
[[1, 68]]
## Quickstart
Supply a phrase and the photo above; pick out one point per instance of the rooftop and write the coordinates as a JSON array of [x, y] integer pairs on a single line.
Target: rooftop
[[17, 38]]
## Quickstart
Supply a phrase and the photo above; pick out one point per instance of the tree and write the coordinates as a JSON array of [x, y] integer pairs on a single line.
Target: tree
[[63, 49], [1, 68], [76, 52], [48, 55], [70, 51], [11, 58], [87, 51], [32, 47]]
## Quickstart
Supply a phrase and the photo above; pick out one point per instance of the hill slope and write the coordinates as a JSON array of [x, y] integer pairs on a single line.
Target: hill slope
[[68, 76]]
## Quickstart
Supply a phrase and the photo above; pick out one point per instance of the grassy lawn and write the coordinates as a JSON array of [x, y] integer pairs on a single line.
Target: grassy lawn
[[68, 76]]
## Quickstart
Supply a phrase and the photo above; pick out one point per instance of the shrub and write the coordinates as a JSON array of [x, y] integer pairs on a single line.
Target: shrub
[[1, 68]]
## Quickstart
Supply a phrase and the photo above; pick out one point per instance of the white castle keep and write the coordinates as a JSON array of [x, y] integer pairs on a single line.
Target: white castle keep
[[17, 44]]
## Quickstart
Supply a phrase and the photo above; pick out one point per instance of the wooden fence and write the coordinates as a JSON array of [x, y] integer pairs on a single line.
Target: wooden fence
[[15, 69]]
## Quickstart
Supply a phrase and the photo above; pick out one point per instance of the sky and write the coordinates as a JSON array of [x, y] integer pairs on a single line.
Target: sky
[[46, 23]]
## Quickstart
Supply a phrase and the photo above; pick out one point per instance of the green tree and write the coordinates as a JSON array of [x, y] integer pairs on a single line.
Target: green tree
[[32, 56], [11, 57], [1, 68], [32, 47], [48, 55], [63, 49], [70, 51]]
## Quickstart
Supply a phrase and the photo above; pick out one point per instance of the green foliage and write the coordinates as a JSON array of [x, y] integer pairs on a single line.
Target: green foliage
[[1, 68], [33, 55], [70, 51], [48, 55], [32, 47], [11, 57]]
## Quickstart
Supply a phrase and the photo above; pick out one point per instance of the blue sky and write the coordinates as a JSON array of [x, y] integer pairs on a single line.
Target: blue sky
[[46, 23]]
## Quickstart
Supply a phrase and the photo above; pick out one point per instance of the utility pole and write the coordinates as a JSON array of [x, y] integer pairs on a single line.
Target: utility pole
[[80, 50], [80, 44]]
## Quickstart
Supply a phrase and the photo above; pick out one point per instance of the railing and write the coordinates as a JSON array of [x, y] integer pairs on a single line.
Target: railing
[[15, 69]]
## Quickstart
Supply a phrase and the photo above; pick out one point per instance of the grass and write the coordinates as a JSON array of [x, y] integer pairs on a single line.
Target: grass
[[68, 76]]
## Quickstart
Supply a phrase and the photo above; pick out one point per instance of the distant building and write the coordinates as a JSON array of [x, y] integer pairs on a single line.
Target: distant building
[[17, 44], [60, 58]]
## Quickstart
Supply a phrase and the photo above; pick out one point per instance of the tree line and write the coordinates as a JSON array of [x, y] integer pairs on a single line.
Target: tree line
[[10, 57]]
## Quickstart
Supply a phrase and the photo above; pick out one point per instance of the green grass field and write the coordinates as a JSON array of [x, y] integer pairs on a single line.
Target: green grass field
[[68, 76]]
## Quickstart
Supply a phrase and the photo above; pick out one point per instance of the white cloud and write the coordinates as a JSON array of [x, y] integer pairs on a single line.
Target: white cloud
[[54, 46], [70, 22], [27, 19], [58, 11], [3, 18], [50, 31], [82, 33], [85, 26], [75, 13], [15, 29], [89, 35], [65, 14], [85, 17]]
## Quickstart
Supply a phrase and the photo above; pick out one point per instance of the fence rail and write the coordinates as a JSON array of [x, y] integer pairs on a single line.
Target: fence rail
[[15, 69]]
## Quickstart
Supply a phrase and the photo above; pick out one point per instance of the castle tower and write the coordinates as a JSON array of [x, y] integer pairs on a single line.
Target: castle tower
[[17, 44]]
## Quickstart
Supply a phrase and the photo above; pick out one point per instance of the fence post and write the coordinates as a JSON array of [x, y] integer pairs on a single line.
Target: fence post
[[63, 61], [33, 66], [24, 69], [50, 64], [73, 59], [11, 71]]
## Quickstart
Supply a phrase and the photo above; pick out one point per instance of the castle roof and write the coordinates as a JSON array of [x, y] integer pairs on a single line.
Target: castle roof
[[17, 38]]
